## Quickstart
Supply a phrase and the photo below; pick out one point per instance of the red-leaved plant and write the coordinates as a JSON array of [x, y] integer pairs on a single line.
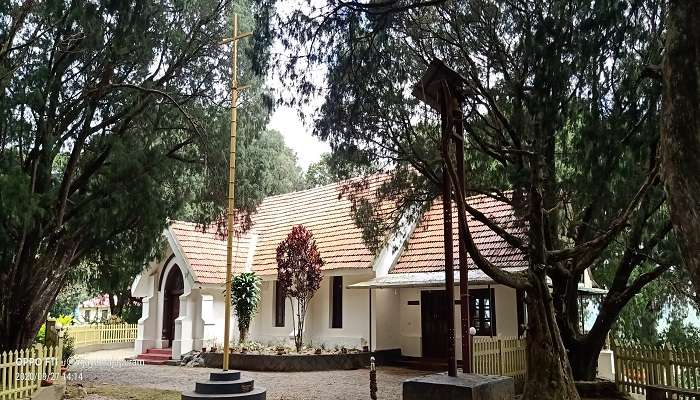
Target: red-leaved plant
[[299, 274]]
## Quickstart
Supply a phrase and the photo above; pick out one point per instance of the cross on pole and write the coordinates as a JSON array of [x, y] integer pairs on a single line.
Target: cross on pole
[[231, 180]]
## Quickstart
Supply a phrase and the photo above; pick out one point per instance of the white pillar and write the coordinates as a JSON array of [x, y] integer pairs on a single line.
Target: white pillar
[[147, 334], [189, 326]]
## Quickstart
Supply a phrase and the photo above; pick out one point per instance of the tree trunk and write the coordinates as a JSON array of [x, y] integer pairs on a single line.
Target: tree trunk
[[243, 334], [680, 132], [583, 357], [29, 288], [549, 375], [24, 310]]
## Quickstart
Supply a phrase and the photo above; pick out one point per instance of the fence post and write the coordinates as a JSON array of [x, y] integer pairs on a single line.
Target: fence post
[[501, 359], [667, 363], [50, 332]]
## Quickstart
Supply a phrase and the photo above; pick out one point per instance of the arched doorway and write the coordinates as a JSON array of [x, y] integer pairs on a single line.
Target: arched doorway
[[174, 287]]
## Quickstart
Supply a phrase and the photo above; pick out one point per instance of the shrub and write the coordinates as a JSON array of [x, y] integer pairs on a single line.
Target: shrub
[[245, 296], [68, 351]]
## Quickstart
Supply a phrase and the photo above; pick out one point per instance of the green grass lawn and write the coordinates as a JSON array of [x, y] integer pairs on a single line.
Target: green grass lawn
[[120, 392]]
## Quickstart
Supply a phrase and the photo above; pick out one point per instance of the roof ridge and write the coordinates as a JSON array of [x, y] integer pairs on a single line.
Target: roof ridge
[[373, 177]]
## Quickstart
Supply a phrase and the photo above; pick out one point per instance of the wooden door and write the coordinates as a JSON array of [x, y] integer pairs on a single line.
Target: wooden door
[[171, 303], [434, 321]]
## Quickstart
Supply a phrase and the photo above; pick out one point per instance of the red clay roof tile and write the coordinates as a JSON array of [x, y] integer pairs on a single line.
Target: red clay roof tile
[[326, 211], [425, 251]]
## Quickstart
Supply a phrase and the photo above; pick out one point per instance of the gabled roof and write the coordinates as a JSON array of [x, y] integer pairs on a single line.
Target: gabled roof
[[99, 301], [325, 210], [425, 250], [205, 250]]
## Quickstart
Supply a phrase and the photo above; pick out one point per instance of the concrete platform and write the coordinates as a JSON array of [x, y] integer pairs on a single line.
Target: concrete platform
[[461, 387]]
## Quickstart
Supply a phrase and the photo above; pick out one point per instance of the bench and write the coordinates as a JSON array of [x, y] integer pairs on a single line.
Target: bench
[[662, 392]]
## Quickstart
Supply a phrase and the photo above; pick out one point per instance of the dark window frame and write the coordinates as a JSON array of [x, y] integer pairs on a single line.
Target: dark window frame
[[280, 317], [336, 316], [483, 301]]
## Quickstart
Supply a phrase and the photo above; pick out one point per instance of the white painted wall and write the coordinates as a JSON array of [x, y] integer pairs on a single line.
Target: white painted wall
[[213, 311], [410, 322], [386, 313], [395, 323], [355, 330], [318, 331], [263, 327], [606, 365]]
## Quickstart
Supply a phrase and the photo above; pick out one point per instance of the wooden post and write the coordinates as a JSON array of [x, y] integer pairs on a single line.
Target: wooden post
[[501, 357], [667, 363], [445, 114], [464, 302]]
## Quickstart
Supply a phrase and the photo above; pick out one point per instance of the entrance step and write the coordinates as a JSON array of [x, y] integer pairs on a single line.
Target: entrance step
[[226, 385], [156, 356], [167, 351]]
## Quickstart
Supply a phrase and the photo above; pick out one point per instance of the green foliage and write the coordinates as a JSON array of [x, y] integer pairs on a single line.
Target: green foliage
[[41, 334], [683, 334], [70, 297], [68, 351], [299, 274], [119, 122], [245, 297], [131, 313], [558, 110], [334, 167]]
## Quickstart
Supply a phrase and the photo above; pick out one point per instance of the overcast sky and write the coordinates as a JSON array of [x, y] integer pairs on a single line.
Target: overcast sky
[[286, 120], [297, 136]]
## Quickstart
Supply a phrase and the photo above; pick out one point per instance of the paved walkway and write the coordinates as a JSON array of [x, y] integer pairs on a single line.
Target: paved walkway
[[116, 354], [280, 385]]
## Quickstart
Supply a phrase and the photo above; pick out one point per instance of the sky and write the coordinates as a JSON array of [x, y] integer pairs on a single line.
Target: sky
[[286, 120], [297, 135]]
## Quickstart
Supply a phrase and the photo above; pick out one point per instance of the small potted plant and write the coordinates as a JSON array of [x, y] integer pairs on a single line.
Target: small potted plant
[[68, 354]]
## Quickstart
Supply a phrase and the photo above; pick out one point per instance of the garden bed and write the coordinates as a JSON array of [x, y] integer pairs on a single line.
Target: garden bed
[[289, 362]]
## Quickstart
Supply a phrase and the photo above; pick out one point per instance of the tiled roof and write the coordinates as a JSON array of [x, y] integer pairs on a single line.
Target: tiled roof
[[99, 301], [425, 249], [327, 212], [205, 251]]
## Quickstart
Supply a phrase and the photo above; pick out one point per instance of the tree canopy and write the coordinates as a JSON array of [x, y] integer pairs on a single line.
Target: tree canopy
[[113, 118], [562, 108]]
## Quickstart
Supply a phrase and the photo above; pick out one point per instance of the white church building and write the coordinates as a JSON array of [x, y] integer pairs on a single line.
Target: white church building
[[390, 299]]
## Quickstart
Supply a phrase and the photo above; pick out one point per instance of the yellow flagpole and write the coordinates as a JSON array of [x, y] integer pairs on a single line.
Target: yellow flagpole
[[231, 187]]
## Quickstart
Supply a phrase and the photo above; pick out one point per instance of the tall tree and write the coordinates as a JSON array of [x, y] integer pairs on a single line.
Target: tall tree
[[106, 106], [680, 133], [333, 167], [559, 110]]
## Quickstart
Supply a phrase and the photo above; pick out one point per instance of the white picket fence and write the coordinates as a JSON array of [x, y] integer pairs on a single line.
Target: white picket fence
[[637, 366], [21, 372], [504, 356], [93, 334]]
